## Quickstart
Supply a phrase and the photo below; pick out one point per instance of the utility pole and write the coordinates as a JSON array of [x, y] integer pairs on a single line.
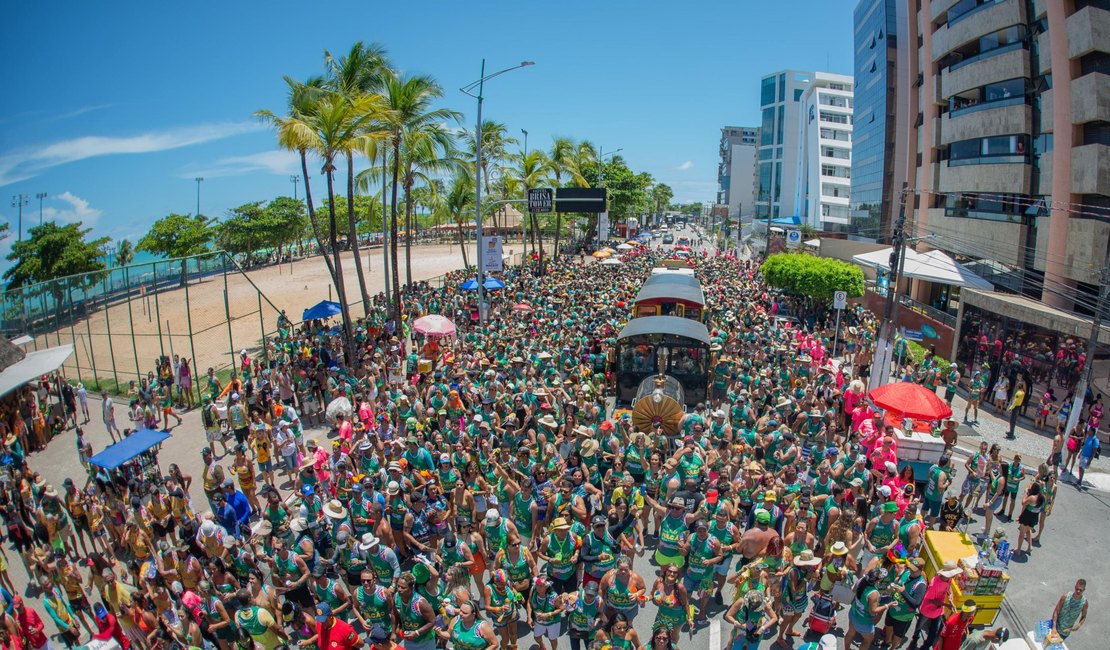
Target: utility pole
[[1092, 346], [198, 179], [19, 201], [767, 246], [40, 196], [884, 350], [295, 178]]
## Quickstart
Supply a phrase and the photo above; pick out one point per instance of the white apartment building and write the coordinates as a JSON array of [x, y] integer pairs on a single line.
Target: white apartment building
[[824, 160], [736, 170]]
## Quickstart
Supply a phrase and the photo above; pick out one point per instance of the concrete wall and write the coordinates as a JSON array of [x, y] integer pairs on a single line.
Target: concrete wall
[[958, 236], [844, 249], [1090, 98], [1088, 31], [1086, 248], [984, 21], [986, 122], [1032, 312], [1090, 169], [999, 178], [913, 320], [1008, 65]]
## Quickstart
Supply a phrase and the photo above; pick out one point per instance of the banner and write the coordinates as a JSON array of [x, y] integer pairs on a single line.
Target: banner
[[603, 227], [491, 256]]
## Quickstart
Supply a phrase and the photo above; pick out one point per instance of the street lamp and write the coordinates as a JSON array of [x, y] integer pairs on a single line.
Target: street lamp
[[468, 90], [40, 196], [198, 179], [20, 201], [294, 179]]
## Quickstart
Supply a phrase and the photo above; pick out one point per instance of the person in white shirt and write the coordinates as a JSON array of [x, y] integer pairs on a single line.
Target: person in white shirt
[[83, 401], [108, 412]]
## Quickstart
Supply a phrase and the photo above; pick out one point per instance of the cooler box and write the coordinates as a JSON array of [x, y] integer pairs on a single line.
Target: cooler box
[[918, 447], [424, 366]]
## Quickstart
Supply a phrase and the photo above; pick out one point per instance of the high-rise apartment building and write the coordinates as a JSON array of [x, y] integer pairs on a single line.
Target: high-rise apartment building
[[824, 160], [736, 171], [878, 165], [1009, 137], [780, 106]]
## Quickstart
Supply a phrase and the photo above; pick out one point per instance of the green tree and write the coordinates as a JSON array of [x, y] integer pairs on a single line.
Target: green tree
[[359, 74], [178, 235], [428, 149], [495, 152], [808, 275], [457, 206], [408, 110], [53, 251], [534, 170], [661, 196], [249, 228], [290, 219], [125, 252]]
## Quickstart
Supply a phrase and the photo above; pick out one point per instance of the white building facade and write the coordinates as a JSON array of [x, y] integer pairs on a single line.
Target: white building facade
[[736, 170], [822, 194]]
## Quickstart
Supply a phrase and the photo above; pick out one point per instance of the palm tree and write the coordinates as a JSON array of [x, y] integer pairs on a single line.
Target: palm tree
[[125, 252], [409, 103], [358, 74], [564, 163], [456, 204], [534, 172], [495, 150], [427, 149]]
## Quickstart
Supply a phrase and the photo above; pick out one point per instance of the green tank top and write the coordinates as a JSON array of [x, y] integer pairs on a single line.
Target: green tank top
[[328, 595], [467, 639], [902, 610], [597, 546], [410, 617], [522, 514], [701, 550], [671, 532], [860, 607], [619, 596], [883, 533], [518, 570], [545, 605], [560, 551], [247, 619], [498, 599], [434, 599], [373, 605], [583, 615]]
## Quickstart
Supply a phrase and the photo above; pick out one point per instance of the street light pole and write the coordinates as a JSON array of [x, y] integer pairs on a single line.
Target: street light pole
[[198, 179], [525, 216], [480, 86], [19, 201], [295, 179], [601, 178], [40, 196]]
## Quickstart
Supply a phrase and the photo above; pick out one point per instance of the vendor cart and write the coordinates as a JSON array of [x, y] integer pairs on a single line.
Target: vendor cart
[[983, 580], [134, 457]]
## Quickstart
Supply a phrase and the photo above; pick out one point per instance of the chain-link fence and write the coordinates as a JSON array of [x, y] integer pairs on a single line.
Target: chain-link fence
[[121, 321]]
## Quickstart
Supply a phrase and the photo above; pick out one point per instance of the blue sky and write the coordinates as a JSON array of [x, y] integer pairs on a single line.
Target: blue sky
[[113, 108]]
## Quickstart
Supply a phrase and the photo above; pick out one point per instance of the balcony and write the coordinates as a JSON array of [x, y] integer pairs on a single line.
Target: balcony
[[1009, 62], [940, 7], [983, 20], [1090, 169], [997, 177], [1088, 31], [1090, 98], [991, 119]]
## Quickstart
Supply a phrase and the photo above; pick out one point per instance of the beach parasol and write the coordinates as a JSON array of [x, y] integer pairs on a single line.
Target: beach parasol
[[910, 400], [491, 284], [434, 325], [322, 309], [602, 254], [625, 247], [523, 308], [611, 261]]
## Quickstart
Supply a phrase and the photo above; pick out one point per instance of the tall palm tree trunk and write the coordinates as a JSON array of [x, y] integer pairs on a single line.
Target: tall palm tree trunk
[[408, 235], [462, 245], [340, 290], [352, 234], [558, 232], [312, 218], [393, 237]]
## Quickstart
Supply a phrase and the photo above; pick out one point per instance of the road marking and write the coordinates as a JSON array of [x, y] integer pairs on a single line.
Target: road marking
[[715, 635]]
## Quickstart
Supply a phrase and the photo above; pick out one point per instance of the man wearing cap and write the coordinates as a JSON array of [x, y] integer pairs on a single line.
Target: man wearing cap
[[380, 639], [326, 589], [333, 632], [755, 539], [673, 530], [881, 533], [986, 638], [560, 549], [212, 476], [239, 502], [776, 514], [600, 545], [908, 591]]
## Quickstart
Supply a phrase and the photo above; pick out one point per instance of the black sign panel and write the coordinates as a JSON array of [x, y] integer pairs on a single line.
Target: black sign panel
[[580, 199], [539, 199]]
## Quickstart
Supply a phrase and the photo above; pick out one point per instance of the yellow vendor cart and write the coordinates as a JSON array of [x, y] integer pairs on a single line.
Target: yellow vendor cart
[[985, 585]]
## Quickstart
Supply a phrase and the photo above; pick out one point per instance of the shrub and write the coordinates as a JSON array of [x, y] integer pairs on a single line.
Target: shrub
[[817, 277]]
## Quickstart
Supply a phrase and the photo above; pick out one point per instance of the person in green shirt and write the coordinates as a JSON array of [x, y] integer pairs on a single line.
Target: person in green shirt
[[908, 590]]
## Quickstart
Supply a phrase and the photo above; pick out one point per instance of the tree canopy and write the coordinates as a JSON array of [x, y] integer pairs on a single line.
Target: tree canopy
[[178, 235], [817, 277], [51, 251]]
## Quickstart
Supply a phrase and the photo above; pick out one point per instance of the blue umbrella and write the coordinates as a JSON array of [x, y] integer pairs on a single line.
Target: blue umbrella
[[491, 284], [323, 309]]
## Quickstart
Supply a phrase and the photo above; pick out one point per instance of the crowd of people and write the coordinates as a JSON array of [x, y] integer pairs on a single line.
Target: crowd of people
[[490, 499]]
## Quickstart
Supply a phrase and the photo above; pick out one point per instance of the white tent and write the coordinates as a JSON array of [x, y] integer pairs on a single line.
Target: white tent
[[933, 266], [33, 366]]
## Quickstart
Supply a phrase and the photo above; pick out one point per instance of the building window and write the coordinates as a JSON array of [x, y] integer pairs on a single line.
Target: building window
[[965, 8], [1094, 62], [767, 92], [1096, 133], [834, 191], [835, 152], [778, 134], [782, 87], [1004, 40], [798, 94], [835, 134], [992, 150], [835, 118], [835, 171], [768, 132], [835, 211], [778, 181], [1002, 93], [992, 207], [834, 100]]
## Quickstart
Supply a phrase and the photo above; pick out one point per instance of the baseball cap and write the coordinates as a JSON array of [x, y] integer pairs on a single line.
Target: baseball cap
[[323, 611]]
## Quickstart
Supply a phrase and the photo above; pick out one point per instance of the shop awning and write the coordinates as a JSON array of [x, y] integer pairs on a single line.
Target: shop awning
[[33, 366], [933, 266]]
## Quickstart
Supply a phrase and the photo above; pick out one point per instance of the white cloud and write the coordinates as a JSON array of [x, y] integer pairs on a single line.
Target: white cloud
[[75, 209], [276, 162], [686, 165], [27, 163]]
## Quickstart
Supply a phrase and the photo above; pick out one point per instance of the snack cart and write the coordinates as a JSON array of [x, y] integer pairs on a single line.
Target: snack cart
[[984, 578]]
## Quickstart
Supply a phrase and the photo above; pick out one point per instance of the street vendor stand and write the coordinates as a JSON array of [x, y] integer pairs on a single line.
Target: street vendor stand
[[912, 409], [136, 456], [984, 578]]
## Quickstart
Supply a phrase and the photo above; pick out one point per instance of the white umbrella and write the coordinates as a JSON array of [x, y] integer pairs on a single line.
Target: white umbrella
[[612, 261], [339, 405], [625, 247]]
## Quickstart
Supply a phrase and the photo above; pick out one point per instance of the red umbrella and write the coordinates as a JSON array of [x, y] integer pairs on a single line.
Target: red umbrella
[[910, 400], [522, 308], [434, 325]]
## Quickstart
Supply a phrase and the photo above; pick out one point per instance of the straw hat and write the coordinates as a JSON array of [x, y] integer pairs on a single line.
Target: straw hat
[[589, 448], [549, 421], [806, 558], [335, 510], [839, 548], [262, 528]]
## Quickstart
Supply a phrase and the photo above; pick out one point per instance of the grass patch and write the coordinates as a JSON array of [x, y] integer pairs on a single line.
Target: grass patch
[[917, 353]]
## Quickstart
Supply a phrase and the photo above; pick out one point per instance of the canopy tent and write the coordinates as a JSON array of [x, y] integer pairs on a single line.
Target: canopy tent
[[322, 309], [32, 366], [491, 284], [933, 266], [133, 445], [813, 243]]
